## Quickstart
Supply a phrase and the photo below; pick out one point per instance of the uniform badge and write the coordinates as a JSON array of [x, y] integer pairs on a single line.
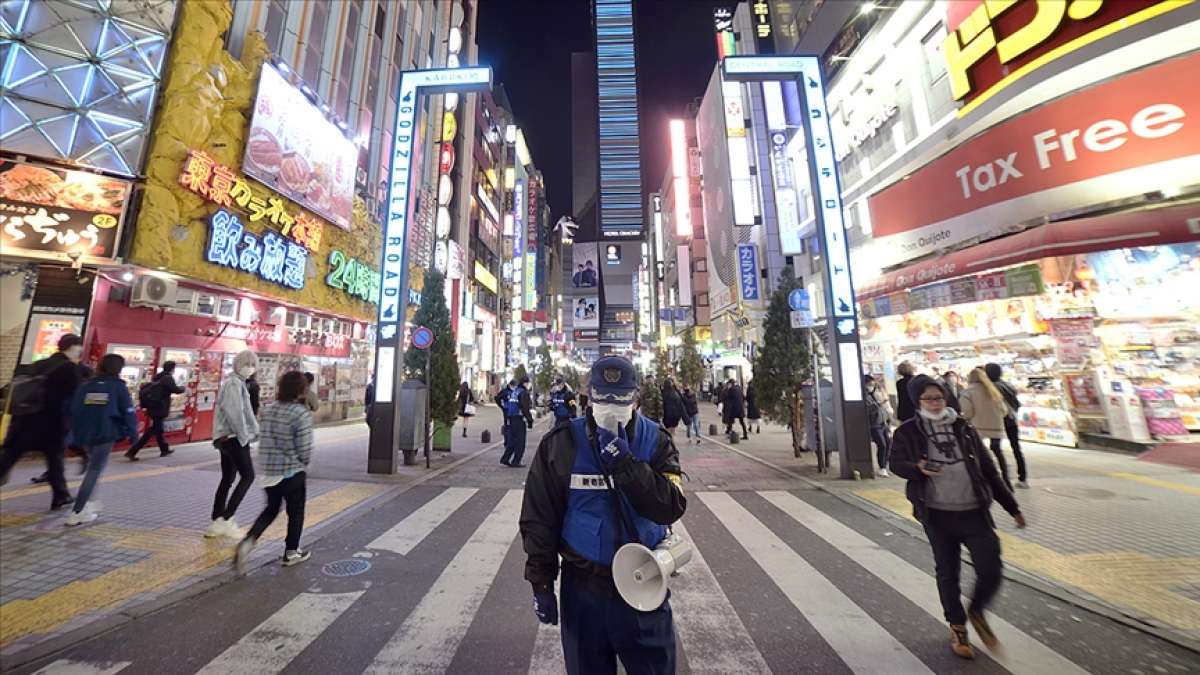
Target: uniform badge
[[612, 375]]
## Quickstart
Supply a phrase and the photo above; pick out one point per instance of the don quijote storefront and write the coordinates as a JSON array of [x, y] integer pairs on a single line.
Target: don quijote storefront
[[1058, 233], [249, 236]]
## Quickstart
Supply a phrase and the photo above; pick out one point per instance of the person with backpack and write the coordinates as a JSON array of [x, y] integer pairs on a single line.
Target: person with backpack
[[155, 398], [1011, 429], [38, 405], [234, 428], [102, 413], [283, 455], [879, 422]]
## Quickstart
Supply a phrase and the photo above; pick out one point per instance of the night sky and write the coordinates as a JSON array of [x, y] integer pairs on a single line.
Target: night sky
[[528, 43]]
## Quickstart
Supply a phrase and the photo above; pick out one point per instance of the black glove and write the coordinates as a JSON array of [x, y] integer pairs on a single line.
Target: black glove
[[614, 449], [545, 605], [529, 422]]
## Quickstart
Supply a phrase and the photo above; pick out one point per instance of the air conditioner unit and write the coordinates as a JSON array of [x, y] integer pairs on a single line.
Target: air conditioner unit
[[153, 291], [276, 315]]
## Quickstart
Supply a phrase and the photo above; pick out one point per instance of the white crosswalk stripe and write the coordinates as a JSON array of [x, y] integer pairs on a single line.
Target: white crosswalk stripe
[[713, 637], [406, 534], [1021, 653], [428, 638], [68, 667], [861, 642], [276, 641]]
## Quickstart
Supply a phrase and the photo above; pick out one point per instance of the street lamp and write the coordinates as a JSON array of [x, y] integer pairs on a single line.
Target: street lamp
[[534, 341], [674, 341]]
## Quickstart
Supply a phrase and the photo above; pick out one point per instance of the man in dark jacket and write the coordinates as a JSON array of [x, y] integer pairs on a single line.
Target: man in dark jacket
[[733, 407], [905, 410], [155, 399], [582, 474], [46, 429], [1011, 429], [673, 409], [951, 484], [518, 418]]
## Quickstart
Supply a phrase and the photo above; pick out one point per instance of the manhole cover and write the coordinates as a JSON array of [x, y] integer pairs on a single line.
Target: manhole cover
[[345, 568]]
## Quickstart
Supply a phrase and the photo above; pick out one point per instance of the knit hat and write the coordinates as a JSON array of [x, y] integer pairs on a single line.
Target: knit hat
[[993, 371], [920, 383]]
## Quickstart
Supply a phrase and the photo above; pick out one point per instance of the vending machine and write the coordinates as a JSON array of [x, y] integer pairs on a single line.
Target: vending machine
[[208, 382], [181, 416]]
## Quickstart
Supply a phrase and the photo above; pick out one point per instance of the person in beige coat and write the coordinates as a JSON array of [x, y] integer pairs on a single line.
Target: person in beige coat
[[984, 407]]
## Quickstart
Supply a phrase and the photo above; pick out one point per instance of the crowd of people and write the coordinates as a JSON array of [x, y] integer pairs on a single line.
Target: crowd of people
[[58, 401]]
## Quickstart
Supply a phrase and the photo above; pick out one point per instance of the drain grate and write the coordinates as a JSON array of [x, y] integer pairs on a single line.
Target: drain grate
[[345, 568]]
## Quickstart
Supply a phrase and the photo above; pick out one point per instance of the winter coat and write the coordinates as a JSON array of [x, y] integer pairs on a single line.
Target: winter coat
[[691, 405], [983, 412], [287, 441], [952, 395], [234, 417], [102, 412], [905, 410], [165, 382], [877, 415], [910, 445], [734, 404], [254, 390], [673, 408], [46, 430], [752, 403], [465, 396]]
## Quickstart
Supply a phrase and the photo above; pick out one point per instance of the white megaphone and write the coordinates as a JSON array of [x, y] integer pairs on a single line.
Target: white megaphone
[[641, 574]]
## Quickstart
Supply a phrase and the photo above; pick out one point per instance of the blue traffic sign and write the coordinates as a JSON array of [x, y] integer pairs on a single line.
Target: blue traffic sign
[[798, 300], [422, 337]]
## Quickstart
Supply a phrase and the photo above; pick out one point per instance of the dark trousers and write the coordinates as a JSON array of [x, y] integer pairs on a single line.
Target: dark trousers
[[1014, 440], [996, 445], [881, 436], [514, 441], [597, 628], [18, 442], [235, 461], [729, 426], [155, 429], [291, 490], [948, 531]]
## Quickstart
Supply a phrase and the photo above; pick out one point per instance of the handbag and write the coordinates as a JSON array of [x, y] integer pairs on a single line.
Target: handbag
[[469, 409]]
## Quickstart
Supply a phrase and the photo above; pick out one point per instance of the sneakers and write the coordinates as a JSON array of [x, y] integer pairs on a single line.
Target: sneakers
[[241, 556], [1023, 484], [232, 530], [982, 629], [87, 515], [959, 644], [883, 473], [295, 557], [224, 528], [165, 453]]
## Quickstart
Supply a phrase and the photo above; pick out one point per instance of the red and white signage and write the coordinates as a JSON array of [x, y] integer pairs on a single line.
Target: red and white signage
[[1133, 135]]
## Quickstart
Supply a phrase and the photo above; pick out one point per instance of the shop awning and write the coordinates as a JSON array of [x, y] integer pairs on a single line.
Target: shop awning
[[1146, 227]]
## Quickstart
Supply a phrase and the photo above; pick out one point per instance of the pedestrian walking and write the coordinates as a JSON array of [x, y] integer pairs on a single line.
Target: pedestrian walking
[[951, 484], [39, 400], [369, 400], [752, 411], [254, 390], [102, 413], [466, 405], [632, 492], [673, 409], [284, 450], [1011, 429], [879, 422], [518, 419], [904, 405], [155, 398], [984, 407], [310, 393], [954, 389], [234, 429], [562, 401], [692, 406], [734, 409]]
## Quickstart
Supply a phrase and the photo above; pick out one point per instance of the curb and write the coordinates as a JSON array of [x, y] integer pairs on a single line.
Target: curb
[[1011, 573], [217, 575]]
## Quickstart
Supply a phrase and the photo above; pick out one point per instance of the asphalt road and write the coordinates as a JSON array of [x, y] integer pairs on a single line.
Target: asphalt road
[[787, 579]]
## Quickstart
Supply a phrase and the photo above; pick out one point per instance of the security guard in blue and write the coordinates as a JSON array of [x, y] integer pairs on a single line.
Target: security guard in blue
[[562, 402], [598, 482], [518, 418]]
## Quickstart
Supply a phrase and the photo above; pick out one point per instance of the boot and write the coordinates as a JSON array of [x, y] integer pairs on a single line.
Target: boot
[[959, 643], [982, 629], [464, 432]]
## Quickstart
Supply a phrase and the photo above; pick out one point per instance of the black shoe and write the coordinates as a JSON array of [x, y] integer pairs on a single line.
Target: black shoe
[[745, 437], [164, 453], [464, 433], [505, 463], [44, 478], [131, 456], [59, 503], [517, 465]]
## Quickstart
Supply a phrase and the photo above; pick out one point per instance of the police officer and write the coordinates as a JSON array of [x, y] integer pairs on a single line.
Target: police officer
[[562, 401], [517, 415], [571, 509]]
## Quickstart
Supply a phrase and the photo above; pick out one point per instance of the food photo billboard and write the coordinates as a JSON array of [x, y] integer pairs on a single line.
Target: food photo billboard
[[46, 211], [295, 150]]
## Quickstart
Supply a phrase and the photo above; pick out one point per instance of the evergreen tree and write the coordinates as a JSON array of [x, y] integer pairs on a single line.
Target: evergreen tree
[[662, 366], [650, 403], [544, 374], [434, 315], [691, 364], [783, 363], [519, 373]]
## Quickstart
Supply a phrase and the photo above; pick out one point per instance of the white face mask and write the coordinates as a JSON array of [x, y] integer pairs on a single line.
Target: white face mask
[[612, 415], [74, 353], [246, 371], [946, 416]]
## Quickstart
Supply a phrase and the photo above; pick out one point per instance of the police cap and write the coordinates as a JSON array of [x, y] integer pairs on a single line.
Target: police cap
[[613, 380]]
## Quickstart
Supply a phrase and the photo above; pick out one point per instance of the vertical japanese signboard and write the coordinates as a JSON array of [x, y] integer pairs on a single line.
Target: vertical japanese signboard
[[747, 256]]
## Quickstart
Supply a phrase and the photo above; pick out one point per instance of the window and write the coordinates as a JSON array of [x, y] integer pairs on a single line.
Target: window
[[937, 85], [206, 304], [376, 47], [314, 42], [227, 309], [701, 264], [702, 299], [276, 18], [346, 64], [185, 300]]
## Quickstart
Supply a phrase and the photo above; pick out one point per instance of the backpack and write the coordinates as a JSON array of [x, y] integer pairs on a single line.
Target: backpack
[[150, 396], [27, 395]]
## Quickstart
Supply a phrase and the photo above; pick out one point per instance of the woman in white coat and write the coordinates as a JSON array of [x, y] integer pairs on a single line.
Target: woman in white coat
[[984, 407]]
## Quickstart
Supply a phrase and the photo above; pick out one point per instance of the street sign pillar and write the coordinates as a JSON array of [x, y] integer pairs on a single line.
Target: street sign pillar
[[403, 180], [850, 413]]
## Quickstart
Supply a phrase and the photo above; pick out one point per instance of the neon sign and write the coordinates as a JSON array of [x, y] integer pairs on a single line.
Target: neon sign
[[270, 256], [353, 276]]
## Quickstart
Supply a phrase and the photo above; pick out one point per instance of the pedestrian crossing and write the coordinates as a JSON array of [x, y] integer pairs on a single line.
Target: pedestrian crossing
[[713, 625]]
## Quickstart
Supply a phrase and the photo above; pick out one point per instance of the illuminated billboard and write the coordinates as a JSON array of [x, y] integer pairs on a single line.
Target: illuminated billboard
[[683, 219]]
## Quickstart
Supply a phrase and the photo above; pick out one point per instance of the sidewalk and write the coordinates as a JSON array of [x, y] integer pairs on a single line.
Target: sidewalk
[[147, 546], [1103, 526]]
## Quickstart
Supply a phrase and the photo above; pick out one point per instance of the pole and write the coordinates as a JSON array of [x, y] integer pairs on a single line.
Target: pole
[[428, 401]]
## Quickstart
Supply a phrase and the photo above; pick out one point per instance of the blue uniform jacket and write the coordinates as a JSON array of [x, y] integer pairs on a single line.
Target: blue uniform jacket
[[102, 412]]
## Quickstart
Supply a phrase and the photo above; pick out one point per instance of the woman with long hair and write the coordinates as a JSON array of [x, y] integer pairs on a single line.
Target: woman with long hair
[[466, 398], [984, 407]]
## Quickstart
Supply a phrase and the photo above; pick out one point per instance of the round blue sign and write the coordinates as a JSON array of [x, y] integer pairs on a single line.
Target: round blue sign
[[798, 300], [422, 338]]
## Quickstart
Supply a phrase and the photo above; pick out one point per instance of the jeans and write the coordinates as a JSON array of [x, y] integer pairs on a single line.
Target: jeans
[[97, 460], [235, 461], [155, 429], [693, 427], [1001, 463], [597, 628], [948, 531], [15, 445], [882, 438], [291, 490], [514, 441], [1014, 441]]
